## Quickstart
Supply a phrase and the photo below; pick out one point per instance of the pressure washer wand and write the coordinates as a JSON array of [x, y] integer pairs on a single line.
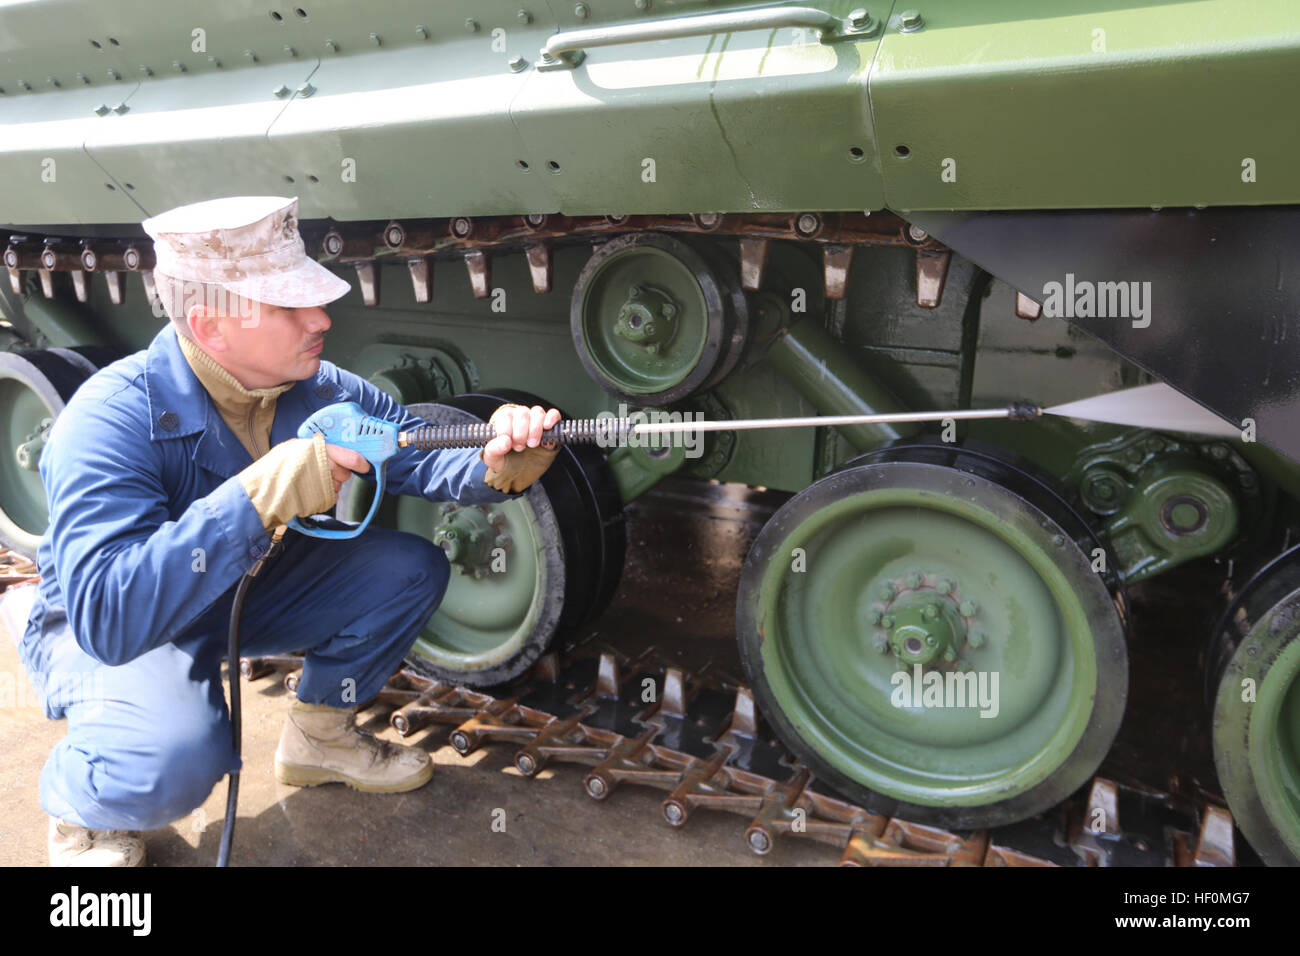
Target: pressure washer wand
[[615, 431]]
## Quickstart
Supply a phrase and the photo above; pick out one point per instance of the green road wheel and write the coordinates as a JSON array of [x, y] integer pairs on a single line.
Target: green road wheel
[[523, 571], [1256, 652], [924, 629], [34, 387], [651, 321]]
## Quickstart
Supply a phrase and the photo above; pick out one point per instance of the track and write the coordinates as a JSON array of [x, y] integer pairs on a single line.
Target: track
[[697, 736]]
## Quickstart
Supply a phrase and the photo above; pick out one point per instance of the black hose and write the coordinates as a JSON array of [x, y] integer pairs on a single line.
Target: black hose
[[236, 611], [232, 790]]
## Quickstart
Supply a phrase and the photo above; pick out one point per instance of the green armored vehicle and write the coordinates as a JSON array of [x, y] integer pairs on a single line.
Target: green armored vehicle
[[754, 211]]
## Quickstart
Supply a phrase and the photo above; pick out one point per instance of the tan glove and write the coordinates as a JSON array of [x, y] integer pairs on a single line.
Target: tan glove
[[292, 479], [521, 468]]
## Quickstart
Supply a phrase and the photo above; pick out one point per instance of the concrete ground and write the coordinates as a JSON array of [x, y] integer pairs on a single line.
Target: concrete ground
[[549, 820]]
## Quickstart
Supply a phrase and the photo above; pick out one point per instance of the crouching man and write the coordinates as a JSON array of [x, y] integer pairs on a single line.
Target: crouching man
[[166, 474]]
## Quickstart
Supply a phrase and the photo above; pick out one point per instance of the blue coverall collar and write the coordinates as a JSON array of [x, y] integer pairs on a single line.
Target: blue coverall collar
[[179, 405]]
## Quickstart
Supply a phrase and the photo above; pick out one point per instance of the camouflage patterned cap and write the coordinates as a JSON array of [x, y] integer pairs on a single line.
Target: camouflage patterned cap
[[248, 245]]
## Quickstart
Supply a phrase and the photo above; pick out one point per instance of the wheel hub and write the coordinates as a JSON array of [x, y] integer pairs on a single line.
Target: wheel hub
[[28, 453], [923, 629], [648, 318], [470, 536], [923, 619]]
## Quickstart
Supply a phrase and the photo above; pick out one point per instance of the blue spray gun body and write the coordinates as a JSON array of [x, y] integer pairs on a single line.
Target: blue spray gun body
[[347, 425]]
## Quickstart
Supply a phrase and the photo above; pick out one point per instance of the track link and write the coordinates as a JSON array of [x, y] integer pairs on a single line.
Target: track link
[[697, 735]]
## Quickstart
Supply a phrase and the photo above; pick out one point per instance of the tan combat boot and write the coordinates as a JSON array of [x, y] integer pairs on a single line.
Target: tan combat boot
[[323, 745], [72, 845]]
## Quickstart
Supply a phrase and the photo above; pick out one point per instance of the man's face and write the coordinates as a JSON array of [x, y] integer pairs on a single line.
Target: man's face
[[263, 345]]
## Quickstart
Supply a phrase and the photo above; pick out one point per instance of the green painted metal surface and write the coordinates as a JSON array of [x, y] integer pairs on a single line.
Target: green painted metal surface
[[637, 470], [1177, 515], [407, 109], [1165, 500], [1017, 104], [65, 323], [811, 361], [716, 115]]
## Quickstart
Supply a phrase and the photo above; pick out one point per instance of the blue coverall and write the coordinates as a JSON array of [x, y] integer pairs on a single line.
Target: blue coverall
[[150, 531]]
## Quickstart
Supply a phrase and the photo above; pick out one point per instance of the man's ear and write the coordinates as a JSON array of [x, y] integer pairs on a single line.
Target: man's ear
[[205, 327]]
